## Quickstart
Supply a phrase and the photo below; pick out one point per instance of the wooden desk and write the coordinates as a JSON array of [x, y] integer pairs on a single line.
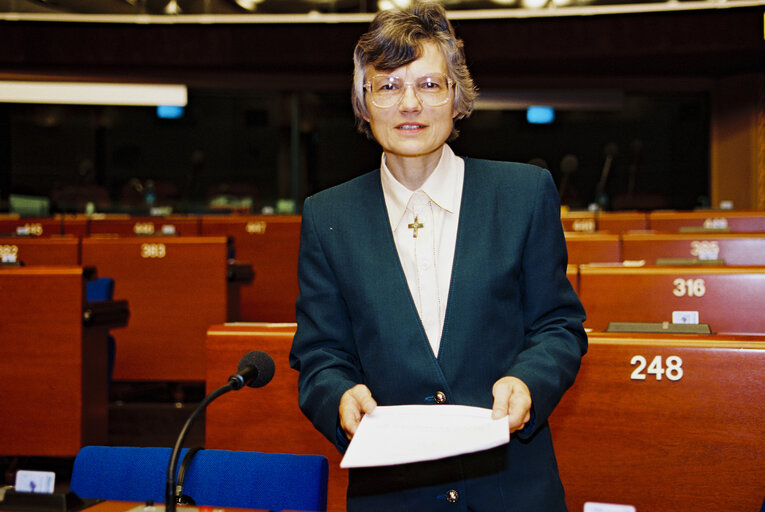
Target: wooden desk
[[125, 225], [265, 419], [621, 222], [38, 250], [734, 249], [270, 244], [76, 225], [53, 368], [729, 299], [690, 443], [580, 221], [177, 288], [593, 247], [734, 220]]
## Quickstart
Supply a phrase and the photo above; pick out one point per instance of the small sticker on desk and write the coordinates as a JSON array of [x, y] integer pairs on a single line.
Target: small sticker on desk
[[685, 317]]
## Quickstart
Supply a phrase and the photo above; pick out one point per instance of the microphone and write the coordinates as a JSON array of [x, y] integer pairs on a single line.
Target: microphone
[[568, 166], [256, 369], [609, 151]]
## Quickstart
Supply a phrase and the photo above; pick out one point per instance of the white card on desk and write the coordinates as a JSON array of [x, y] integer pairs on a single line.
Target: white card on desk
[[685, 317], [35, 481], [592, 506]]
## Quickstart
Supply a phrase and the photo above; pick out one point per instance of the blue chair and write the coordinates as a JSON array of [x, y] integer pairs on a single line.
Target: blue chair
[[218, 478], [101, 288], [96, 290]]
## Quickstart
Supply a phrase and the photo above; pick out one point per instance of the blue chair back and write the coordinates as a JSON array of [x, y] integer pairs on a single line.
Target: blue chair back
[[99, 289], [219, 478]]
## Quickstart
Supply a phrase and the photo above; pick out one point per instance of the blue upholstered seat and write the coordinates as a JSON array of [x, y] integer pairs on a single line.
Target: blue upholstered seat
[[270, 481]]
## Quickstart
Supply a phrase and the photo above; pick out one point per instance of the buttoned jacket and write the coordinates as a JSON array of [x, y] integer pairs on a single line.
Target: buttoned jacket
[[511, 311]]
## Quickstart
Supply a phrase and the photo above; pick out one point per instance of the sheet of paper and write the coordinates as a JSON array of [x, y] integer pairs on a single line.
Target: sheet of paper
[[411, 433]]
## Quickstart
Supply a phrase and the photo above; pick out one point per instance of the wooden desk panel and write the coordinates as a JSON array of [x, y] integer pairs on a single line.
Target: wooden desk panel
[[734, 249], [49, 250], [125, 225], [265, 419], [621, 222], [76, 225], [270, 244], [580, 221], [176, 287], [734, 220], [593, 248], [729, 299], [697, 443], [53, 371]]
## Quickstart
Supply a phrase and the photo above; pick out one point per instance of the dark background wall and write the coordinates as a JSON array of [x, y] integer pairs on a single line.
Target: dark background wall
[[269, 116]]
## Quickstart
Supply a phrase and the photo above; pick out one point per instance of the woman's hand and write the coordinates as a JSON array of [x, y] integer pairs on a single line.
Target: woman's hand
[[512, 398], [354, 403]]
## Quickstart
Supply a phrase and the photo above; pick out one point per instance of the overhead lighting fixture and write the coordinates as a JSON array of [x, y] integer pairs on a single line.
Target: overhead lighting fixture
[[172, 7], [92, 93], [384, 5], [534, 4], [249, 5]]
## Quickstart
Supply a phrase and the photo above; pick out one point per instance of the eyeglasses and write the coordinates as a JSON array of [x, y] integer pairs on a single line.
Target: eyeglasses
[[432, 90]]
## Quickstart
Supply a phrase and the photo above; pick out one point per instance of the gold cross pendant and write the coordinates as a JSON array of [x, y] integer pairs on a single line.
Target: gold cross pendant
[[414, 226]]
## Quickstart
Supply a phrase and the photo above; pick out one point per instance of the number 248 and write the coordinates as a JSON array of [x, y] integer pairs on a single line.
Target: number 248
[[671, 368]]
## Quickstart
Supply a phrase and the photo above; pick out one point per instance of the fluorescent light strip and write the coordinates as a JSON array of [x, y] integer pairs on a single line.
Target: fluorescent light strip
[[87, 93]]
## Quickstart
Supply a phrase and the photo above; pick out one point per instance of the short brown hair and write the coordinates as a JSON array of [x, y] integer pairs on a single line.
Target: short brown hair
[[395, 38]]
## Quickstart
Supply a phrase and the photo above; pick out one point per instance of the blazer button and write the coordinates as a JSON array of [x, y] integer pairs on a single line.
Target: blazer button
[[452, 496], [440, 397]]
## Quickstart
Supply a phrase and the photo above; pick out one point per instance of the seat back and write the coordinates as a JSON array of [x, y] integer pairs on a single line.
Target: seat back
[[98, 289], [222, 478]]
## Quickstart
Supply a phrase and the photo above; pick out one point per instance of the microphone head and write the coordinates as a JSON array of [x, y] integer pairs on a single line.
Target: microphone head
[[264, 365], [569, 164]]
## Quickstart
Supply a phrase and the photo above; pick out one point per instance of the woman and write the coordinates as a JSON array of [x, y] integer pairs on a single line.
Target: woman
[[435, 279]]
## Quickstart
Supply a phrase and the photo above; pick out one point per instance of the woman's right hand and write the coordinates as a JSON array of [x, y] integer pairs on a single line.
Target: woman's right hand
[[354, 403]]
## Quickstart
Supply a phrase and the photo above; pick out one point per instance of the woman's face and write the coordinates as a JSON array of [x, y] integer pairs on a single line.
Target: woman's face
[[409, 128]]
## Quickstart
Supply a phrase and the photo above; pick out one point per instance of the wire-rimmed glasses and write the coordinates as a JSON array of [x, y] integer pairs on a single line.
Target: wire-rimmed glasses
[[432, 90]]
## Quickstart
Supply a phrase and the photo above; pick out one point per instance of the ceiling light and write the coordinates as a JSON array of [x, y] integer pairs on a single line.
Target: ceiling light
[[88, 93], [533, 4], [250, 5]]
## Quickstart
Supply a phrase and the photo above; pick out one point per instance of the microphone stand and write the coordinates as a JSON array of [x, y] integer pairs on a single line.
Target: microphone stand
[[173, 465]]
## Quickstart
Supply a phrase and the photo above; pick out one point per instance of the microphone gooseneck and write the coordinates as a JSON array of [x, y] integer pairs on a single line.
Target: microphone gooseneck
[[255, 369]]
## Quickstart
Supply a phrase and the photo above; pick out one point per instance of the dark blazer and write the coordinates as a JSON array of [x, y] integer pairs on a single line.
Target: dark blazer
[[511, 311]]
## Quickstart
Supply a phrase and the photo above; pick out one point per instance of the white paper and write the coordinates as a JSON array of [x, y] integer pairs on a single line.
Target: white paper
[[592, 506], [35, 481], [412, 433]]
